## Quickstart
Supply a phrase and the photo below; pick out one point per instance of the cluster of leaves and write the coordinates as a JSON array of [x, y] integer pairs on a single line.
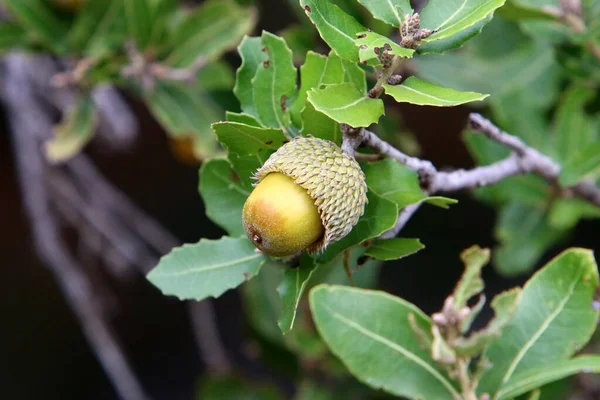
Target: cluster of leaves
[[166, 42], [538, 63]]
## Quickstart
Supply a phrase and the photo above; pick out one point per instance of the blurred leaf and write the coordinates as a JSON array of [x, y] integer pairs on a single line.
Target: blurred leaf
[[87, 22], [310, 390], [223, 195], [364, 276], [450, 17], [210, 30], [506, 53], [525, 234], [584, 165], [262, 303], [74, 131], [393, 249], [109, 33], [504, 306], [553, 320], [345, 103], [574, 131], [441, 351], [39, 20], [12, 36], [566, 212], [274, 83], [207, 268], [139, 21], [301, 39], [390, 11], [367, 42], [470, 283], [250, 50], [234, 388], [516, 10], [248, 146], [382, 355], [291, 289], [536, 377], [337, 28], [185, 111], [216, 75], [416, 91], [319, 125]]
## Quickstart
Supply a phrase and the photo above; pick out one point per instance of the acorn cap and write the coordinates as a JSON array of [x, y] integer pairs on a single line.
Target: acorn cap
[[331, 177]]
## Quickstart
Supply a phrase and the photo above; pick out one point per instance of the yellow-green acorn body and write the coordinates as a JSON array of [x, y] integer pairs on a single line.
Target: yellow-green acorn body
[[309, 194]]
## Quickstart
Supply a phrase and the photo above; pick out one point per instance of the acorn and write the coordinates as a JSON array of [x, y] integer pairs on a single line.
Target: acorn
[[309, 194]]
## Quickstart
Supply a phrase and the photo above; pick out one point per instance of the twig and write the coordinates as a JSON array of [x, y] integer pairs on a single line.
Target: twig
[[214, 355], [148, 71], [523, 160], [403, 218]]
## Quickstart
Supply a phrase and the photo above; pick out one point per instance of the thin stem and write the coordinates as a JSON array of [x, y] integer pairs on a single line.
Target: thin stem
[[466, 385]]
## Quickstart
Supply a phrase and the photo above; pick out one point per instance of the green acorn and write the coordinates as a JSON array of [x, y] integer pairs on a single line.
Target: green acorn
[[309, 194]]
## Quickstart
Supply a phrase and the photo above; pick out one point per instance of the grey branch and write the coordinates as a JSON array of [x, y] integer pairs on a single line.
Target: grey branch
[[522, 160], [20, 100]]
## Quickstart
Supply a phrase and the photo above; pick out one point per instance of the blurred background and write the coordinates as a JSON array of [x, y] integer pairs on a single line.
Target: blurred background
[[44, 354]]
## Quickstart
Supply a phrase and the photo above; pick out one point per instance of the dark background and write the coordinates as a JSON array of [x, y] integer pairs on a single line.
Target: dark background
[[43, 354]]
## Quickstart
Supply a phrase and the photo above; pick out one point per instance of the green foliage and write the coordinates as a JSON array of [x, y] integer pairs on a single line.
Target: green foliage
[[542, 76]]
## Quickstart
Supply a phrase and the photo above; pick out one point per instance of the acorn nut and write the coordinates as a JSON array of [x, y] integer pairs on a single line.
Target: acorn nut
[[309, 194]]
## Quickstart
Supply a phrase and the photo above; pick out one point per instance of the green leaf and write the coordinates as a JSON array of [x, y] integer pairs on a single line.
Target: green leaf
[[566, 212], [554, 319], [291, 289], [223, 195], [368, 331], [40, 21], [525, 235], [186, 112], [503, 51], [584, 165], [504, 306], [455, 41], [345, 103], [87, 22], [109, 34], [574, 130], [470, 283], [262, 303], [450, 17], [389, 11], [250, 50], [367, 42], [207, 268], [393, 249], [337, 28], [210, 30], [320, 125], [393, 181], [542, 375], [12, 36], [74, 131], [242, 118], [517, 10], [416, 91], [248, 147], [324, 70], [274, 83], [139, 21]]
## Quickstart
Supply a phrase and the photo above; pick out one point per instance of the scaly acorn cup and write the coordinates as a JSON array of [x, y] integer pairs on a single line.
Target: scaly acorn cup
[[309, 194]]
